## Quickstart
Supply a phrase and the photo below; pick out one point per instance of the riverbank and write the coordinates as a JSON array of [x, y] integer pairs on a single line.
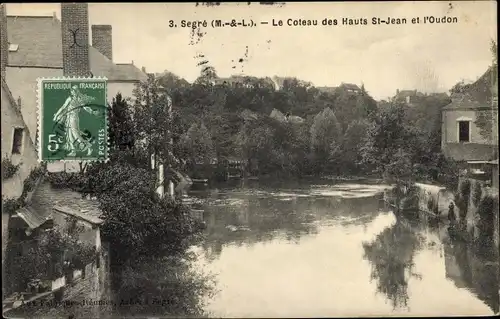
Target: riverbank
[[472, 208]]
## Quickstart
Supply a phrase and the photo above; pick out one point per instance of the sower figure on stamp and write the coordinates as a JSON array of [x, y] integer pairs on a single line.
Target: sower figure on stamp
[[68, 115]]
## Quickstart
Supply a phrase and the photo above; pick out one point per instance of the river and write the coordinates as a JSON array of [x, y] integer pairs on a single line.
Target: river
[[320, 249]]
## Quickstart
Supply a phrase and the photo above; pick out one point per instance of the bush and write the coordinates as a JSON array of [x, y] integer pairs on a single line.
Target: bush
[[179, 289], [462, 207], [411, 199], [8, 169], [10, 205], [44, 259], [486, 211], [462, 198], [137, 221], [448, 172], [465, 188], [478, 193], [62, 180], [432, 205]]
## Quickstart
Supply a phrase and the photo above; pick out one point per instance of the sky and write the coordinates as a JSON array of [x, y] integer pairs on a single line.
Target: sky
[[426, 57]]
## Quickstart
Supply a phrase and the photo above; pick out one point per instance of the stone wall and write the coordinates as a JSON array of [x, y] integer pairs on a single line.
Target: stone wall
[[450, 132], [472, 214], [440, 196]]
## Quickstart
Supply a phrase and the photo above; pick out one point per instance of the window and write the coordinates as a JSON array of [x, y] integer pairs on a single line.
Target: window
[[463, 131], [17, 141]]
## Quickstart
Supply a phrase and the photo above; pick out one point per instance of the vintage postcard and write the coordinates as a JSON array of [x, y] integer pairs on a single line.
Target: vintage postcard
[[249, 159]]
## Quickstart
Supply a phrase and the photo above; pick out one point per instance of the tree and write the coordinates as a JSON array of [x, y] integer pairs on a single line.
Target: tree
[[207, 75], [350, 155], [255, 142], [324, 130], [198, 144], [138, 223], [365, 104], [121, 127], [325, 134], [153, 119], [389, 140]]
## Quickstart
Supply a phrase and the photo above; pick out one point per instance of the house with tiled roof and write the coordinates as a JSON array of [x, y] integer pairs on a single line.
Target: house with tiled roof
[[353, 88], [36, 48], [244, 81], [461, 137], [408, 96]]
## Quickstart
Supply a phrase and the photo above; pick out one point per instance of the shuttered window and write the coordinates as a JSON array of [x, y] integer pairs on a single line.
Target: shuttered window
[[17, 141]]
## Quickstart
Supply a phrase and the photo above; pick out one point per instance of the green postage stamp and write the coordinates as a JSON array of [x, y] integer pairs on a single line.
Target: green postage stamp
[[73, 119]]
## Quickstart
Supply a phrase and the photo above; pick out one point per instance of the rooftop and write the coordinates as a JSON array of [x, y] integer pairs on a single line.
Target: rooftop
[[465, 101], [406, 93], [327, 89], [38, 40], [47, 198], [31, 217], [470, 151], [350, 86]]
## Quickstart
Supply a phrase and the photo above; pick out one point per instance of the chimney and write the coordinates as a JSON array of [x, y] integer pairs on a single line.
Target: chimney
[[4, 48], [102, 39], [143, 69], [75, 39]]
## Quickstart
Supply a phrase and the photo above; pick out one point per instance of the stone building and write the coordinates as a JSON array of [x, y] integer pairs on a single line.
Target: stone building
[[464, 141], [44, 46], [33, 47], [410, 97], [462, 138], [18, 147], [18, 152], [67, 212]]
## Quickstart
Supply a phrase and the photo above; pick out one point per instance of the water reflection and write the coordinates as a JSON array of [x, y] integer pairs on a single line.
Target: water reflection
[[319, 250], [246, 217], [392, 258], [475, 272], [392, 255]]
